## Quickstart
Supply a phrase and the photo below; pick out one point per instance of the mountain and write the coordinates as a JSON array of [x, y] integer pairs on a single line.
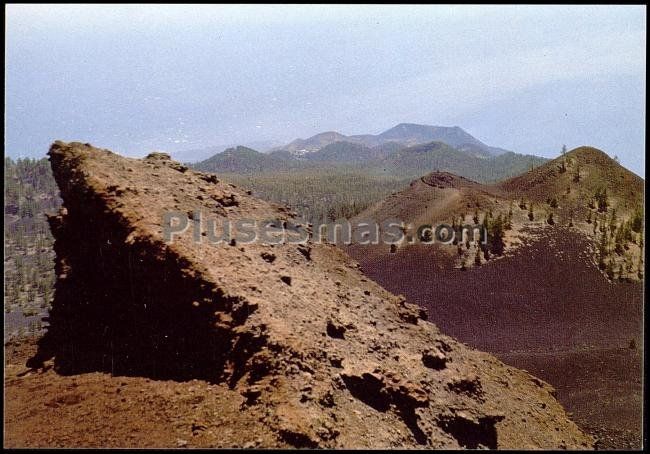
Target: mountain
[[300, 147], [557, 289], [414, 134], [246, 160], [200, 154], [419, 159], [390, 159], [404, 150], [246, 343], [592, 168], [406, 134]]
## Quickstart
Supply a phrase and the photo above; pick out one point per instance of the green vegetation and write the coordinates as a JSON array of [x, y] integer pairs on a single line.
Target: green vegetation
[[601, 200], [637, 220], [496, 231], [30, 192], [576, 175], [316, 195], [615, 254]]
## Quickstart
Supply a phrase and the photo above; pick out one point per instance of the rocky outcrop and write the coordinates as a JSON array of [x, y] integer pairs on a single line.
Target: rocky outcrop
[[322, 355]]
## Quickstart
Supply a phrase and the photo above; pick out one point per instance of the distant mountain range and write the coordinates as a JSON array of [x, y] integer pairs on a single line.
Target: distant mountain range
[[407, 150], [408, 134]]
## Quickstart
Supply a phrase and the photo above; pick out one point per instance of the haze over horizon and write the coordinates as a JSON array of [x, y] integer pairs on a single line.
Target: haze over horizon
[[137, 78]]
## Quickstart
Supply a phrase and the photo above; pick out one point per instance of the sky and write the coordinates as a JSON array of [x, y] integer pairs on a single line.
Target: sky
[[166, 77]]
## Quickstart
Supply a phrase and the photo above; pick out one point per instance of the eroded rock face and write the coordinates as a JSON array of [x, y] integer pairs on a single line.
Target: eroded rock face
[[326, 357]]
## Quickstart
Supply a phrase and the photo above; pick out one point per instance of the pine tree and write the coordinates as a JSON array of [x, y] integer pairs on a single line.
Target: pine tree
[[628, 265], [618, 241], [612, 221], [495, 236], [601, 200], [602, 252], [508, 223], [627, 232], [637, 220], [609, 270]]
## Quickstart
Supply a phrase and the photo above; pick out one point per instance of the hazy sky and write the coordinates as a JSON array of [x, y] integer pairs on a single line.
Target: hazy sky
[[137, 78]]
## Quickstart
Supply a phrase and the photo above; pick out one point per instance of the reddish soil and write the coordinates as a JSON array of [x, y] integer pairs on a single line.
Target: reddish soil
[[546, 308], [44, 409], [602, 388]]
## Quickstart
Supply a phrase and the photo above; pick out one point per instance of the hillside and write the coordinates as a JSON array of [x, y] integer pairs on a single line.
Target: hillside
[[558, 286], [346, 153], [437, 156], [584, 189], [217, 326], [575, 178]]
